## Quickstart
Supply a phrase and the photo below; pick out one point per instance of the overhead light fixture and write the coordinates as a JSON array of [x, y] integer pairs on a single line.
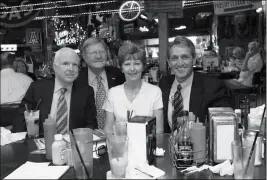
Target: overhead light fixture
[[204, 14], [143, 16], [180, 27], [259, 10], [143, 29]]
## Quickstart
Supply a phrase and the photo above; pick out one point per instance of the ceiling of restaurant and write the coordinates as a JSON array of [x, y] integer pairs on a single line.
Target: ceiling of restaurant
[[197, 20]]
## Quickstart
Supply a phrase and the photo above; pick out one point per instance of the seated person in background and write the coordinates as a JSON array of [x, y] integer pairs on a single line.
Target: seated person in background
[[20, 65], [13, 85], [237, 60], [253, 63], [188, 90], [135, 95], [70, 104]]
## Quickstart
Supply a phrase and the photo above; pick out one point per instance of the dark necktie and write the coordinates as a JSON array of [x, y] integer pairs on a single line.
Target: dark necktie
[[177, 105], [100, 99], [62, 112]]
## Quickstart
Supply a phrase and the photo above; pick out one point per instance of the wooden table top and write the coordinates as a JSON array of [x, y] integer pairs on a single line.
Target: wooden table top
[[15, 154]]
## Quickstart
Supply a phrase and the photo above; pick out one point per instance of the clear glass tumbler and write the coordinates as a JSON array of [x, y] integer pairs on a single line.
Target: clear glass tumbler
[[32, 123], [118, 155], [240, 159]]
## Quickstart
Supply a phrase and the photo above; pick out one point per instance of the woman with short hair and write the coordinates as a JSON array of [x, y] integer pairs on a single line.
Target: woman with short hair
[[135, 95], [21, 66]]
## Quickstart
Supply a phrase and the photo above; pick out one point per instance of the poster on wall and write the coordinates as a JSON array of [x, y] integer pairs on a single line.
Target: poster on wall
[[34, 39]]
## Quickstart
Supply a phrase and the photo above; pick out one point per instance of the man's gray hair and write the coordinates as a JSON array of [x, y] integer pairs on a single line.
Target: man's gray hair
[[181, 40], [62, 50], [92, 41]]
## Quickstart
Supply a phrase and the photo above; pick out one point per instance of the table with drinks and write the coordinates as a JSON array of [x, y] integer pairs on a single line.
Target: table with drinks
[[135, 142], [14, 155]]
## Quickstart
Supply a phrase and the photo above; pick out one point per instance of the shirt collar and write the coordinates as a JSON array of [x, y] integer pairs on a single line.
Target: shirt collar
[[92, 76], [186, 83], [7, 70], [58, 86]]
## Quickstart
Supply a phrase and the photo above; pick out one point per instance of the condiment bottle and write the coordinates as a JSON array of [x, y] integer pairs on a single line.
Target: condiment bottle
[[240, 125], [198, 137], [59, 150], [49, 133], [184, 143]]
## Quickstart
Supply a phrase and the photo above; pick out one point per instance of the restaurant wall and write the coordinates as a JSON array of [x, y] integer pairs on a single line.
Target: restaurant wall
[[237, 30]]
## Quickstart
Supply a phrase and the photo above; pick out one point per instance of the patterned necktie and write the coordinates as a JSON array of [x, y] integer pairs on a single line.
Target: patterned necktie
[[177, 104], [62, 112], [100, 99]]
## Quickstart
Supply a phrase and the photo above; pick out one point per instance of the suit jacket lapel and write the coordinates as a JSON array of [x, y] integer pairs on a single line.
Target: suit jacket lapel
[[83, 76], [47, 98], [196, 96], [110, 78], [72, 101]]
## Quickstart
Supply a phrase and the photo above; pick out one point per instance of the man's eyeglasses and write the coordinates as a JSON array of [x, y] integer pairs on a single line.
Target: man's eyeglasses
[[94, 54], [101, 150]]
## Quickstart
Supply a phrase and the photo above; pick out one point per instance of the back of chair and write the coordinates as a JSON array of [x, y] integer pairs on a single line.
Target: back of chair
[[8, 113]]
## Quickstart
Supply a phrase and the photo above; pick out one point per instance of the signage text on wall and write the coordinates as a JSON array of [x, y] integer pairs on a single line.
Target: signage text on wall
[[64, 37], [17, 16], [228, 7]]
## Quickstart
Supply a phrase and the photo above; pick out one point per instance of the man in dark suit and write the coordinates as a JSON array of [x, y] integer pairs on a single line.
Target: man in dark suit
[[188, 90], [70, 104], [98, 75]]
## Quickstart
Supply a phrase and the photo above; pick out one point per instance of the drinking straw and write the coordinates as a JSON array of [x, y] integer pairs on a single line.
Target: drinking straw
[[254, 142], [242, 155], [251, 152], [38, 104], [79, 153], [26, 107]]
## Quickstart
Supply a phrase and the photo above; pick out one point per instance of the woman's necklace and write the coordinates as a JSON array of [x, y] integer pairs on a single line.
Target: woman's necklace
[[131, 93]]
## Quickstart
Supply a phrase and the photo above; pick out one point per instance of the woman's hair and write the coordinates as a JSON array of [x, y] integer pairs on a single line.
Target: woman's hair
[[180, 40], [17, 61], [131, 49], [240, 51]]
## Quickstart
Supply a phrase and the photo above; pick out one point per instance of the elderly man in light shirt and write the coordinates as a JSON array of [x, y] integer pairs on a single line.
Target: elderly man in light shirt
[[13, 85], [253, 63]]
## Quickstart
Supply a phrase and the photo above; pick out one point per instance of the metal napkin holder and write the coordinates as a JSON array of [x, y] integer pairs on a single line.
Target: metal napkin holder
[[173, 154]]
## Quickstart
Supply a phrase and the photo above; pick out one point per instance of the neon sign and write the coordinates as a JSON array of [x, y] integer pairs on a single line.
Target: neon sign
[[65, 38]]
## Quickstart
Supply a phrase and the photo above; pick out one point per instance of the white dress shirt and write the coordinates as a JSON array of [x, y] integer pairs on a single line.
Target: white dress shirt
[[255, 64], [53, 111], [13, 86], [185, 91], [93, 81]]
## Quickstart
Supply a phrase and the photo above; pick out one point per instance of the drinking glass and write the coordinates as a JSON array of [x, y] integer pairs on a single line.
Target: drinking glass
[[32, 123], [118, 155], [84, 140], [240, 159], [120, 128]]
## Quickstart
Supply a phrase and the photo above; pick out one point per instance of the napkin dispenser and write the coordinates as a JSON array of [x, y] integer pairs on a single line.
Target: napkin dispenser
[[141, 131], [222, 131]]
